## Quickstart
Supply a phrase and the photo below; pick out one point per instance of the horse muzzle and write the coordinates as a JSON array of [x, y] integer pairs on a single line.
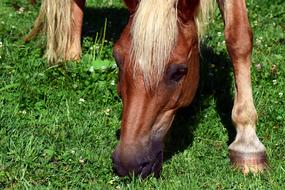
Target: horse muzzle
[[138, 160]]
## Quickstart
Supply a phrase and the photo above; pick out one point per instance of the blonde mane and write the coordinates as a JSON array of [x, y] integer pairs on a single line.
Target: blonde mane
[[154, 35]]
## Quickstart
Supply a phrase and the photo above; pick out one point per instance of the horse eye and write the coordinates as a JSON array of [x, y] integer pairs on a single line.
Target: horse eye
[[175, 72]]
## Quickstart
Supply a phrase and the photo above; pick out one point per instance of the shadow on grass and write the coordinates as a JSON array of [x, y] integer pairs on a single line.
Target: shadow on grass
[[94, 20], [215, 80]]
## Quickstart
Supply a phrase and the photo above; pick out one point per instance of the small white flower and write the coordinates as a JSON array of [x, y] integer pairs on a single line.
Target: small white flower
[[81, 160], [23, 112], [91, 69], [81, 100], [274, 81], [258, 67], [107, 111], [21, 10], [114, 66], [280, 94], [219, 33], [258, 41], [112, 82], [72, 152], [96, 47]]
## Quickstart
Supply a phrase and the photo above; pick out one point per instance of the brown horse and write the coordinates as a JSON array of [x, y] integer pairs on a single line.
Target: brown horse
[[158, 59]]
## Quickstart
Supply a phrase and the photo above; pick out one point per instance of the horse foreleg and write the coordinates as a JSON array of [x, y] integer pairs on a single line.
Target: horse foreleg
[[74, 52], [246, 152]]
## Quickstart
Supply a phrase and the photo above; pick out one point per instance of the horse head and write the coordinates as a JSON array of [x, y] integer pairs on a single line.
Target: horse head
[[158, 59]]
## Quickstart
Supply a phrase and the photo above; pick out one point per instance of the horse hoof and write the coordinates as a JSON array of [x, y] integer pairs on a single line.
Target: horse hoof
[[249, 162]]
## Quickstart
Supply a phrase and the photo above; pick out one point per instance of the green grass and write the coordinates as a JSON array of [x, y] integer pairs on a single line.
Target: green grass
[[59, 125]]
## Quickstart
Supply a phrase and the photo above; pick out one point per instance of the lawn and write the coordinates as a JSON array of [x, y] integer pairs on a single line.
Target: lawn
[[59, 125]]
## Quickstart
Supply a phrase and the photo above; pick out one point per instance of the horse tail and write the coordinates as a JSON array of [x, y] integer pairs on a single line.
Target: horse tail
[[205, 10], [54, 19]]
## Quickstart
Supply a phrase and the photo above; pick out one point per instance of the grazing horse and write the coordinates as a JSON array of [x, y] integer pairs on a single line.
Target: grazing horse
[[158, 59]]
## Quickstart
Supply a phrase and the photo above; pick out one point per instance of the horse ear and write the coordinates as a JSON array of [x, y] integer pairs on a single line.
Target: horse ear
[[187, 8], [132, 5]]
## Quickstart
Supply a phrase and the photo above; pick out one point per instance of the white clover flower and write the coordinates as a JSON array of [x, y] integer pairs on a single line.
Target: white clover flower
[[258, 66], [81, 100], [114, 66], [23, 112], [75, 85], [96, 47], [81, 160], [21, 10], [107, 111], [91, 69]]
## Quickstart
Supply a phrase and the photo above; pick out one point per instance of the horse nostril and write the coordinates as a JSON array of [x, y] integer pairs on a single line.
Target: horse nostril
[[146, 170], [137, 163], [144, 164], [157, 166]]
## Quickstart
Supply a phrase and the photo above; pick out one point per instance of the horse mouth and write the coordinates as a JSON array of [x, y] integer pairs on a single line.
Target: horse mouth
[[143, 170], [154, 167]]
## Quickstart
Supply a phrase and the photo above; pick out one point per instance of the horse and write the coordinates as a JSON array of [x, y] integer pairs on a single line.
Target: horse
[[158, 59]]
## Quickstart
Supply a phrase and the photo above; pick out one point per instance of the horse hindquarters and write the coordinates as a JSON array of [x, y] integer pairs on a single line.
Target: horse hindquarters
[[62, 22]]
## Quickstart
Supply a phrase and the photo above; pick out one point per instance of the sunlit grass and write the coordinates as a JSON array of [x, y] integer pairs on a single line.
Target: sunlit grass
[[59, 125]]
